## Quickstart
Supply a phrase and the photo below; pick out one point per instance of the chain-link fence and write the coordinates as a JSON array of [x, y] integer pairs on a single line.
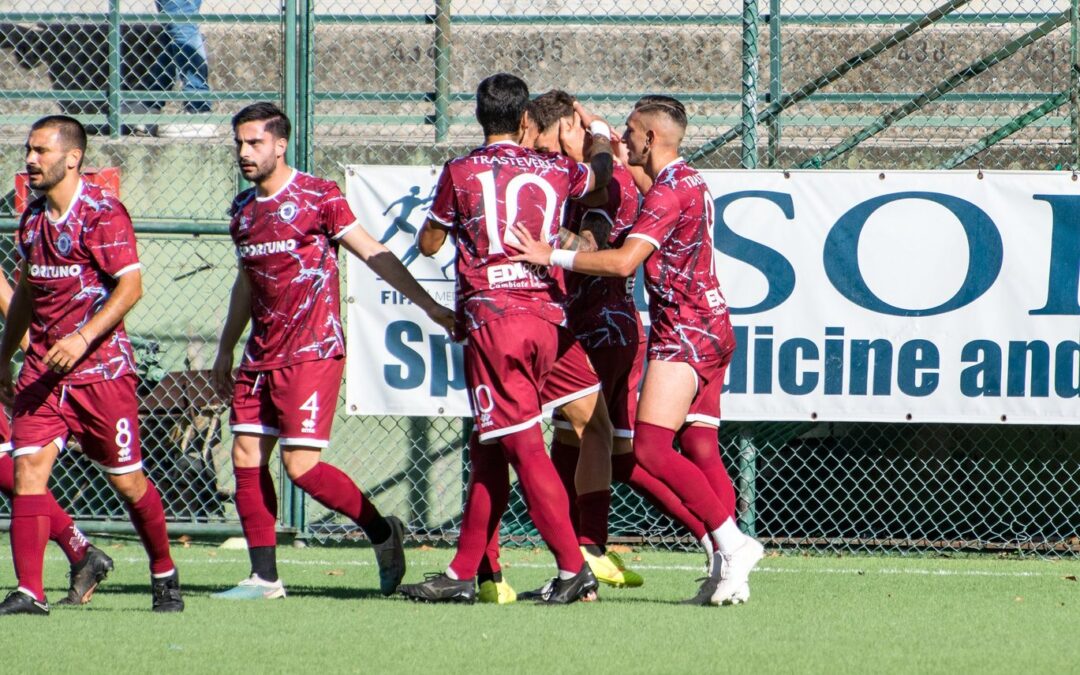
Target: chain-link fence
[[776, 83]]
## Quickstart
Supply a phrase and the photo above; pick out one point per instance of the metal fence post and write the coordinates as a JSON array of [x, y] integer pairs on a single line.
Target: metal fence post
[[776, 89], [748, 157], [116, 80], [305, 85], [1074, 81], [442, 70], [289, 84], [747, 486]]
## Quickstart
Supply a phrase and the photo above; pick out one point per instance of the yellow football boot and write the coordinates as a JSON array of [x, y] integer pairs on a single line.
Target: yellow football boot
[[609, 569], [496, 593]]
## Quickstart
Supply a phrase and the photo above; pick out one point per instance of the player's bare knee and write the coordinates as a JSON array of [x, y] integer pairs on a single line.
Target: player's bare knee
[[250, 451], [130, 486], [32, 470], [299, 461]]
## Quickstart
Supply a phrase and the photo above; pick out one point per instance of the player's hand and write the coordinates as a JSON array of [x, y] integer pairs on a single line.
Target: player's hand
[[444, 317], [587, 118], [532, 251], [7, 387], [67, 351], [221, 376], [618, 148]]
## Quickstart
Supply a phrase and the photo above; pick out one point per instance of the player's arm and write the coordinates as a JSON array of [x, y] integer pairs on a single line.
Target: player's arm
[[236, 319], [67, 351], [601, 160], [385, 264], [431, 236], [613, 262], [16, 323], [568, 241], [6, 291]]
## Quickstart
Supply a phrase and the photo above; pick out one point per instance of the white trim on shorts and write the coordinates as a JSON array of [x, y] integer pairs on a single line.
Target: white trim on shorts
[[31, 449], [550, 407], [5, 447], [707, 419], [622, 433], [119, 470], [304, 442], [646, 237], [254, 429], [488, 436]]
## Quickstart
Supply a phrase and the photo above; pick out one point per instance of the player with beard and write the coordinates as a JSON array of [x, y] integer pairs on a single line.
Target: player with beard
[[514, 321], [89, 564], [79, 276], [691, 340], [287, 229]]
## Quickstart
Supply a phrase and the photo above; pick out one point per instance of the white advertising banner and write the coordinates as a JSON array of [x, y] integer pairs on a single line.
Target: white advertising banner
[[855, 296]]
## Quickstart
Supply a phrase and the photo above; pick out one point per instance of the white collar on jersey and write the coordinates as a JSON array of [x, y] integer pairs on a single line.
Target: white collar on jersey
[[281, 189], [67, 211], [669, 165]]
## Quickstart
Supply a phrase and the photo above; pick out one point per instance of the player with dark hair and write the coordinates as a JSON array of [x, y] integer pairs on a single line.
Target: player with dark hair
[[513, 318], [287, 229], [89, 564], [79, 276], [691, 340]]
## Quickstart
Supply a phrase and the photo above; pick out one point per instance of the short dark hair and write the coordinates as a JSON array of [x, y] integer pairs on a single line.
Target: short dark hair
[[71, 131], [657, 103], [277, 122], [500, 101], [550, 107]]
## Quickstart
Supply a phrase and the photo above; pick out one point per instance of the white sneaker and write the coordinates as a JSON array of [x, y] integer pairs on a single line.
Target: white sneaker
[[188, 130], [734, 588], [253, 588]]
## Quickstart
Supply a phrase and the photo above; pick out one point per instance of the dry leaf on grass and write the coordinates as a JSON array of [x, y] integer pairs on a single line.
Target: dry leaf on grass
[[335, 573], [1071, 577]]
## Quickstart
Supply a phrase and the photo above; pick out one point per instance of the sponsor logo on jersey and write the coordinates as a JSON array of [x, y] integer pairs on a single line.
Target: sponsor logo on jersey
[[266, 248], [516, 275], [55, 271], [287, 212], [63, 243]]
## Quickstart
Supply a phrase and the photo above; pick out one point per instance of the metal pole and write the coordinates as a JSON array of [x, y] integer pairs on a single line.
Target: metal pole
[[939, 90], [1074, 81], [748, 156], [289, 85], [116, 80], [305, 86], [776, 88], [442, 70], [812, 87], [747, 486], [1006, 130]]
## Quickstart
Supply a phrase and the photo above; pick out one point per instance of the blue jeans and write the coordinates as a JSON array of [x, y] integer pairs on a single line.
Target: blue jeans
[[184, 56]]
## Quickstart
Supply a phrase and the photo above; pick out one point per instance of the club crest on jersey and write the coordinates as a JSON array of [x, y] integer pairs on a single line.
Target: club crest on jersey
[[287, 212], [63, 243]]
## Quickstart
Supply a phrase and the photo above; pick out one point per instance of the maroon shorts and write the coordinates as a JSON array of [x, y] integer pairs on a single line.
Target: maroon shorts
[[572, 377], [507, 363], [294, 403], [705, 408], [103, 416], [620, 370]]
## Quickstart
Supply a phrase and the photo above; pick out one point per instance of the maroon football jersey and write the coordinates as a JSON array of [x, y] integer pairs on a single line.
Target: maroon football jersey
[[477, 197], [287, 245], [688, 312], [72, 266], [601, 310]]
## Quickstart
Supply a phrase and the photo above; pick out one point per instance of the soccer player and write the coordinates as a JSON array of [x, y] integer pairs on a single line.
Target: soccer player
[[513, 318], [287, 229], [691, 340], [89, 564], [79, 276]]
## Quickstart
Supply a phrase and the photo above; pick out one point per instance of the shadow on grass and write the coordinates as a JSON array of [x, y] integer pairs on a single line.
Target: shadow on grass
[[329, 592]]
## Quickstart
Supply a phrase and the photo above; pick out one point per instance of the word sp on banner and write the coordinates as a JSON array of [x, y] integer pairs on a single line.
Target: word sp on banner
[[855, 296]]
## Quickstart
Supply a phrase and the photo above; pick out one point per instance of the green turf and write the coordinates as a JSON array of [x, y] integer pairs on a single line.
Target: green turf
[[807, 614]]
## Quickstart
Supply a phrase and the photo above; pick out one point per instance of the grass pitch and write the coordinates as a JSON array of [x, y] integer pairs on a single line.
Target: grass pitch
[[807, 614]]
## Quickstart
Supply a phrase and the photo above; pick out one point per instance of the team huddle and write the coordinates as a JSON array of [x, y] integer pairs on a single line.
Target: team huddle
[[550, 218]]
